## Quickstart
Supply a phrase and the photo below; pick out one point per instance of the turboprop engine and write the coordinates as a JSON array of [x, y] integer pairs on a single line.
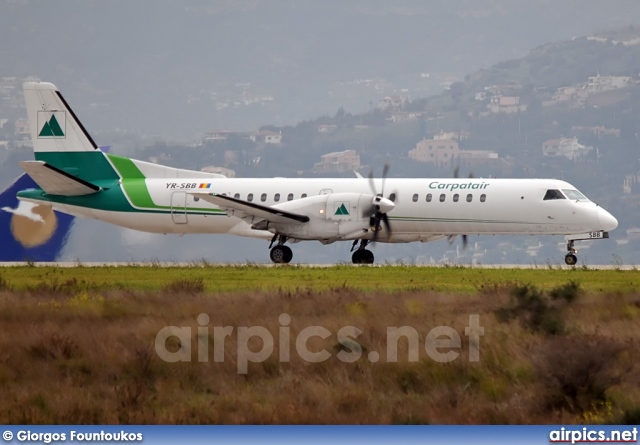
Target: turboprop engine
[[336, 216]]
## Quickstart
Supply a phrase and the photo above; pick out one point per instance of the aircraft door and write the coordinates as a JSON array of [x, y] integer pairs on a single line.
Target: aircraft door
[[179, 207]]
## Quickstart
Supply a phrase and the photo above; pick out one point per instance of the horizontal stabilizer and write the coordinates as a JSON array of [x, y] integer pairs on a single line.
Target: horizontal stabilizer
[[244, 209], [55, 181]]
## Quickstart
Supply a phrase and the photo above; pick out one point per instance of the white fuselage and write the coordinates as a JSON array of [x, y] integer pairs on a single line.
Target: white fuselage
[[425, 209]]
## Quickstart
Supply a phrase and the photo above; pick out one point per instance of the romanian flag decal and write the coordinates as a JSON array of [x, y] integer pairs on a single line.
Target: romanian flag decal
[[204, 185]]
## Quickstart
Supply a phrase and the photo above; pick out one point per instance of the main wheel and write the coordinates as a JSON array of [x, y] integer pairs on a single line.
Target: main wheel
[[362, 256], [570, 259], [281, 254]]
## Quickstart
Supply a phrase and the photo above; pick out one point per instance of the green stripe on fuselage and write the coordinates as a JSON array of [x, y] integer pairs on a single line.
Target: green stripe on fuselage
[[135, 187], [133, 182], [118, 177]]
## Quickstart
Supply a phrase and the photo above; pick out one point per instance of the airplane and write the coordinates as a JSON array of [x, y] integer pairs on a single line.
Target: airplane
[[77, 178], [30, 232]]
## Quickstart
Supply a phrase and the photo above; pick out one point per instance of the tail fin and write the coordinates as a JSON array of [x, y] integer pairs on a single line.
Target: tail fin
[[58, 136], [53, 125], [30, 232]]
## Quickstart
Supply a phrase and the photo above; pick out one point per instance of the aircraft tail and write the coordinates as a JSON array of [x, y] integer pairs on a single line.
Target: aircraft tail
[[59, 138], [53, 125], [73, 163], [30, 232]]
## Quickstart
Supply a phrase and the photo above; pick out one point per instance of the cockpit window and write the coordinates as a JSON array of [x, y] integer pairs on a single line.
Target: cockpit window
[[574, 194], [553, 194]]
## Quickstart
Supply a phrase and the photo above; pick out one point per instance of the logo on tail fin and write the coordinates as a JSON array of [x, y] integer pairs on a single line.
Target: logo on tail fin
[[52, 124]]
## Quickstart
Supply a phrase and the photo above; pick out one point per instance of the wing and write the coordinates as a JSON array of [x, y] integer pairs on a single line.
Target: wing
[[249, 210]]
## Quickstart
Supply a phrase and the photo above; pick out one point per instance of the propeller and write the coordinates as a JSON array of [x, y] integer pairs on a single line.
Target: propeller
[[456, 173], [380, 206], [465, 240]]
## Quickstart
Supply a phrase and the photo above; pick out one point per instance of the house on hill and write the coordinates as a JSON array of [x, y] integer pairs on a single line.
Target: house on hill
[[505, 104], [338, 162], [570, 148], [267, 137], [435, 151]]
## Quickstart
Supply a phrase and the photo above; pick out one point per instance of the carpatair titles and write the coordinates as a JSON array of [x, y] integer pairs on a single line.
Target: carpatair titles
[[451, 186]]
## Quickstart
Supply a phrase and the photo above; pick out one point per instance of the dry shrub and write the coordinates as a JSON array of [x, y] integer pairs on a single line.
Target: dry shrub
[[54, 286], [538, 311], [4, 283], [55, 346], [185, 286], [136, 384], [577, 371]]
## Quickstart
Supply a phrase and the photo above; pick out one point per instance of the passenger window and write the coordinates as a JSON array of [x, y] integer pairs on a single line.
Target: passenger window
[[483, 197], [469, 197], [276, 198], [250, 197], [415, 198], [429, 196], [304, 195], [237, 196], [290, 197], [553, 194], [392, 197], [456, 197], [263, 197], [442, 197]]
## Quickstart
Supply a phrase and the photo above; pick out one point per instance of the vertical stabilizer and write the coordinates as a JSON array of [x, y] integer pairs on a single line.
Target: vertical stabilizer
[[59, 138], [53, 125]]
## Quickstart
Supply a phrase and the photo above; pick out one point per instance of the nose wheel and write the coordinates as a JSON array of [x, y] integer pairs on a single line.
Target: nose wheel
[[362, 255], [570, 258]]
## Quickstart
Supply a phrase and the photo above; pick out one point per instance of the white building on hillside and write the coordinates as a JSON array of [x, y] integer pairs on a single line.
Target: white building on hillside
[[570, 148]]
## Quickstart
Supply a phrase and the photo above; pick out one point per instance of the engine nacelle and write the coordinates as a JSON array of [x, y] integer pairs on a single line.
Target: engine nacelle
[[331, 216]]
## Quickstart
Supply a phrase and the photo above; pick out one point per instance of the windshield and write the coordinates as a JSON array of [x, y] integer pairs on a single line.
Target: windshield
[[553, 194], [574, 194]]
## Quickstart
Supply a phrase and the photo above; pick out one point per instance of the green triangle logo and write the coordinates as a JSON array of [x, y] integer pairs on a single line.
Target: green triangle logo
[[51, 128], [342, 210]]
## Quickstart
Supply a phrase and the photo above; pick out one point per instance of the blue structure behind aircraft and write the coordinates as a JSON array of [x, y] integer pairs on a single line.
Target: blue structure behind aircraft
[[29, 232]]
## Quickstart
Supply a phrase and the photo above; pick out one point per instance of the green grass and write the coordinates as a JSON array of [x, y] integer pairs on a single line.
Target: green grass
[[463, 280]]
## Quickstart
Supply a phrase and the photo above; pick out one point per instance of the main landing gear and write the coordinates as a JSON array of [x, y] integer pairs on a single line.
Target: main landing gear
[[570, 258], [280, 254], [362, 255]]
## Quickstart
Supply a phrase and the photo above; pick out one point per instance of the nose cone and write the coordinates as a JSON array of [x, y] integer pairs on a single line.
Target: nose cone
[[385, 205], [607, 221]]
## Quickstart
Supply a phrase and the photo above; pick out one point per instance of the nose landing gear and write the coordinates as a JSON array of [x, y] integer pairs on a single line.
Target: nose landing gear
[[570, 258], [362, 255]]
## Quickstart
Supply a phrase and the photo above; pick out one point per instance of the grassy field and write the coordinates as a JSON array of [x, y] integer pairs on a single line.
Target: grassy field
[[464, 280], [78, 345]]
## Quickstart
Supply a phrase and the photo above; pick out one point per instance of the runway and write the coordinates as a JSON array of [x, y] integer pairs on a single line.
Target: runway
[[202, 264]]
